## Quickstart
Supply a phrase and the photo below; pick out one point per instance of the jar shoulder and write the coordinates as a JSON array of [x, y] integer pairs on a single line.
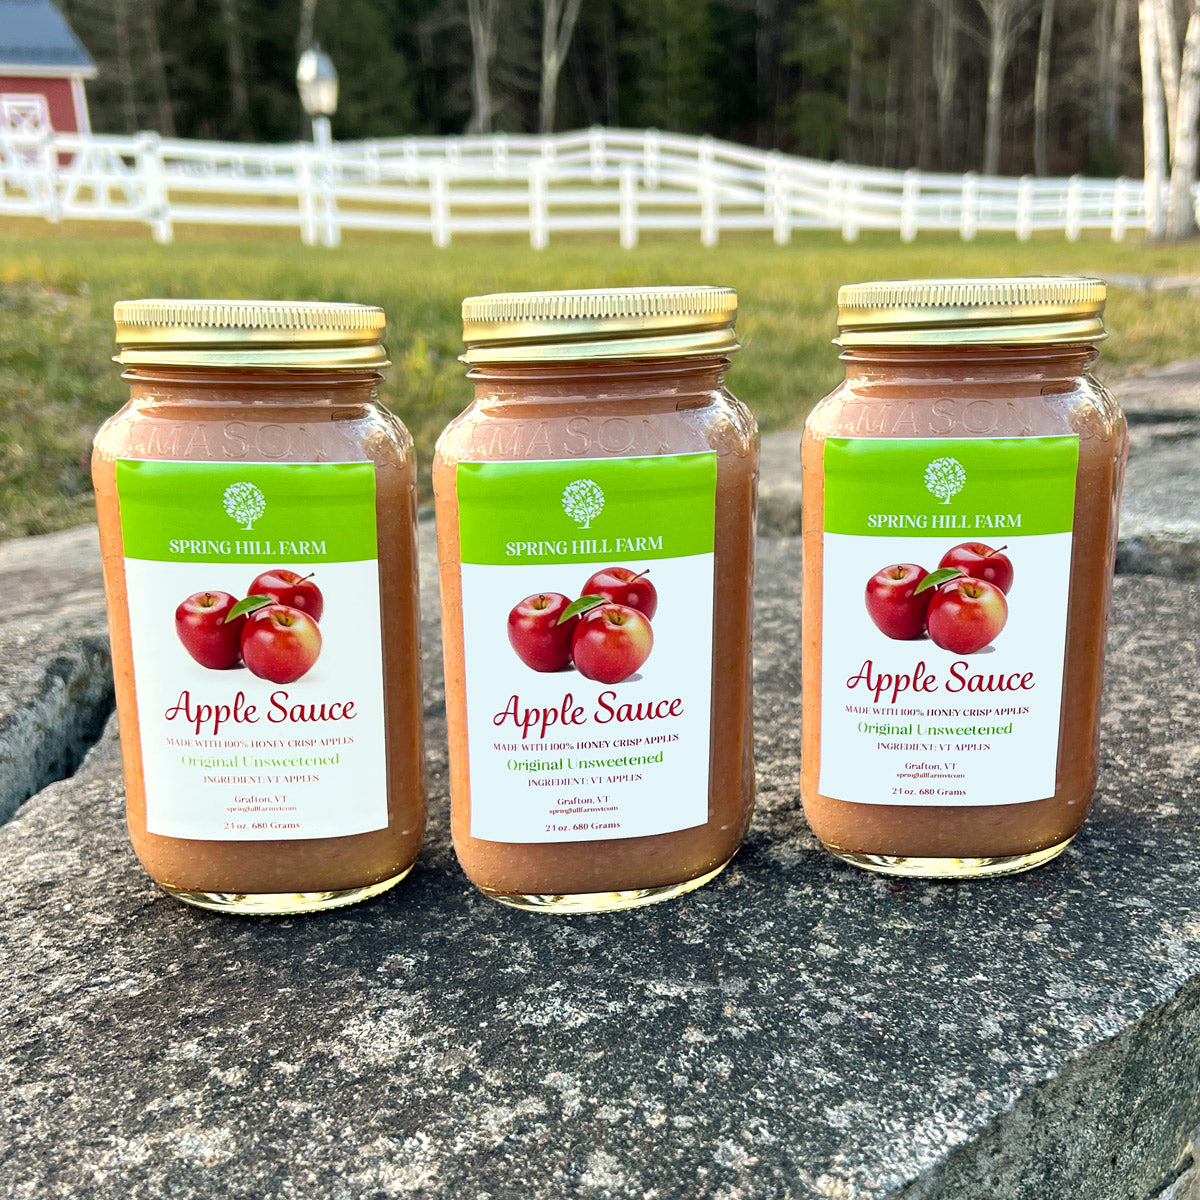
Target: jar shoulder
[[350, 433], [965, 407], [514, 432]]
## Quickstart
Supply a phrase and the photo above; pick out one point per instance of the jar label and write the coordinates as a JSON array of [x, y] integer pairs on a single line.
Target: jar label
[[596, 727], [947, 694], [268, 727]]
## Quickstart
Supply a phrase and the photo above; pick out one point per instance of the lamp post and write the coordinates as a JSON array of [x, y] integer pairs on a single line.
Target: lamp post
[[317, 82]]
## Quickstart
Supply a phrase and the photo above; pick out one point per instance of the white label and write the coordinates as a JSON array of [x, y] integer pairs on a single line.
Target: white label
[[906, 722], [228, 756], [558, 757]]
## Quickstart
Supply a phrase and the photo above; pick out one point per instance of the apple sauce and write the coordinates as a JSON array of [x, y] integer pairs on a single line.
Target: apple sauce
[[602, 483], [278, 769], [968, 415]]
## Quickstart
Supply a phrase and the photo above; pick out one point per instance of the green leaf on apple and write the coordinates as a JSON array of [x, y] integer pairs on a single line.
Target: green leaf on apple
[[937, 578], [582, 605], [249, 605]]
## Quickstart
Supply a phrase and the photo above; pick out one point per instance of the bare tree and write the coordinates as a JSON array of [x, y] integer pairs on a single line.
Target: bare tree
[[125, 66], [916, 90], [156, 64], [1005, 21], [1181, 213], [235, 59], [1168, 60], [945, 72], [482, 17], [1041, 88], [768, 21], [1109, 24], [558, 25], [891, 105], [854, 73], [1153, 118]]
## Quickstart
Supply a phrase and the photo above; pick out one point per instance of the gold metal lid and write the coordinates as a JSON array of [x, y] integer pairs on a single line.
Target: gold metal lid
[[971, 312], [283, 334], [599, 323]]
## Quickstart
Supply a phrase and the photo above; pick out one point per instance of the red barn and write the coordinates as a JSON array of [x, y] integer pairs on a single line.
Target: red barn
[[42, 69]]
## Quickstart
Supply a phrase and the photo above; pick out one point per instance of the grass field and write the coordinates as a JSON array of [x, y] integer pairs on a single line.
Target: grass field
[[57, 289]]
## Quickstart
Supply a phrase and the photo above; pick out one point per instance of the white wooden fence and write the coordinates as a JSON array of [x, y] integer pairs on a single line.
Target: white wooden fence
[[598, 180]]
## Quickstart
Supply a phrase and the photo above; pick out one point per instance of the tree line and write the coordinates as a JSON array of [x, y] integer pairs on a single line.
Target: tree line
[[1008, 86]]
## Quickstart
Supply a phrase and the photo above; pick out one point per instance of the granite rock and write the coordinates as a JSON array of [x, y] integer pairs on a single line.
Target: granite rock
[[56, 687], [1160, 510], [779, 493], [1164, 393], [795, 1029]]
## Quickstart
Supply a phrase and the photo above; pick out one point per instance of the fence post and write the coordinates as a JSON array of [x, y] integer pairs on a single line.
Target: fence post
[[539, 229], [849, 202], [833, 194], [650, 150], [47, 158], [909, 199], [306, 193], [968, 215], [596, 150], [1024, 209], [708, 194], [499, 154], [1074, 208], [158, 210], [410, 161], [331, 232], [628, 203], [778, 202], [1118, 210], [439, 205]]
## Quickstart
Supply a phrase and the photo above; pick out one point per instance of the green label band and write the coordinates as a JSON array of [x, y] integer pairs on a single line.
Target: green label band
[[583, 510], [931, 487], [247, 512]]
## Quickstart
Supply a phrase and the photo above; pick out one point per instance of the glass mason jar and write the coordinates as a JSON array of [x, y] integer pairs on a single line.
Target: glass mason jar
[[595, 513], [257, 523], [960, 519]]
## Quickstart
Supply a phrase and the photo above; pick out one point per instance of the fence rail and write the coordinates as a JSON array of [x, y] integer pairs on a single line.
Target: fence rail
[[597, 180]]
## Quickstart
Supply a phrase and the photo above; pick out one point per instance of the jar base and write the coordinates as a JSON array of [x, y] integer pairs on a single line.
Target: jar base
[[598, 902], [282, 904], [951, 868]]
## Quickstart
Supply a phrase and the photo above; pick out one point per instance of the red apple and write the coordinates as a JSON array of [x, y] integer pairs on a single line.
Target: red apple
[[981, 562], [535, 634], [287, 587], [966, 614], [623, 585], [280, 643], [891, 604], [200, 623], [611, 642]]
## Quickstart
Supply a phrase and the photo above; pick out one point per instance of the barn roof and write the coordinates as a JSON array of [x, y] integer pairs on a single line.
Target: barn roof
[[35, 39]]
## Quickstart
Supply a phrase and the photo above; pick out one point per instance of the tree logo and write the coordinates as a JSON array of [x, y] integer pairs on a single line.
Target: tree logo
[[945, 477], [244, 503], [582, 501]]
